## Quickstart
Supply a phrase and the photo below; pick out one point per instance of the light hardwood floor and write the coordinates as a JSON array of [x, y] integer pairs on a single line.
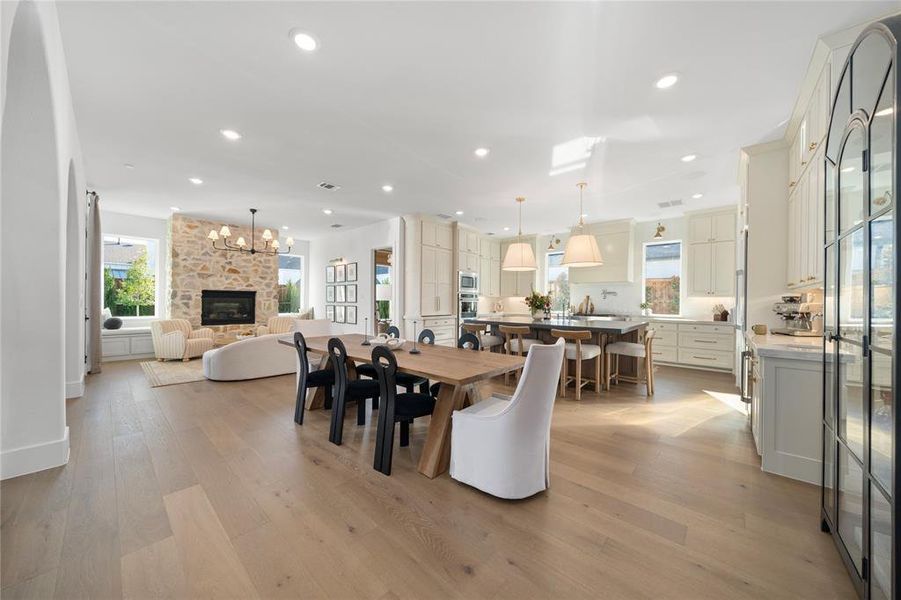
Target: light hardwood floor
[[210, 490]]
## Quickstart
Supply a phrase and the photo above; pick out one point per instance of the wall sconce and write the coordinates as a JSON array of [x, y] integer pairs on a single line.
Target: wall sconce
[[554, 244], [660, 230]]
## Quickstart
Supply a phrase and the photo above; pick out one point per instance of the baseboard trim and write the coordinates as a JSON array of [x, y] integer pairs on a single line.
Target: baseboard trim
[[31, 459], [75, 389]]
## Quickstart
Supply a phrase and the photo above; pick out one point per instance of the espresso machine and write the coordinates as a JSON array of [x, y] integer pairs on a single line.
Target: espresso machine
[[802, 315]]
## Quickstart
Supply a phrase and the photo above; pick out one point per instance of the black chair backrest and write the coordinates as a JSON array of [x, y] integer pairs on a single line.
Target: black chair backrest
[[393, 331], [426, 336], [300, 344], [386, 368], [468, 341], [338, 355]]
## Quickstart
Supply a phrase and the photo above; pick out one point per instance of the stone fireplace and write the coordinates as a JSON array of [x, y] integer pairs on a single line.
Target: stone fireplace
[[195, 267], [227, 307]]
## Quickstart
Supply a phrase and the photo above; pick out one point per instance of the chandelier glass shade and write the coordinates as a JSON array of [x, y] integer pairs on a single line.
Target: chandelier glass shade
[[582, 248], [270, 246], [519, 256]]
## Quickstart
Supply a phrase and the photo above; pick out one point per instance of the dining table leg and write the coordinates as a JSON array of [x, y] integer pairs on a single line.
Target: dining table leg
[[435, 458]]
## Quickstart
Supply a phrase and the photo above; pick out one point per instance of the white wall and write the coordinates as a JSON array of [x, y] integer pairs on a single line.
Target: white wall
[[628, 295], [39, 142], [357, 245], [114, 223], [302, 248]]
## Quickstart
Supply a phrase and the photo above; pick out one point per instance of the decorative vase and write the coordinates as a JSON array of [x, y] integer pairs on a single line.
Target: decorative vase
[[533, 312], [547, 313]]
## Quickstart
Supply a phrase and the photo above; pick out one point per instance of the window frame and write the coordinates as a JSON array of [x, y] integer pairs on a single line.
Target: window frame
[[157, 299], [644, 263], [547, 268], [302, 286]]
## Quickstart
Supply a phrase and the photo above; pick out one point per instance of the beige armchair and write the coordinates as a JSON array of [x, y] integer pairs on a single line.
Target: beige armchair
[[278, 324], [174, 339]]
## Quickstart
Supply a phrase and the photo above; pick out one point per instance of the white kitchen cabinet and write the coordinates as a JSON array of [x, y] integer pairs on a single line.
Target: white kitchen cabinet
[[438, 235], [489, 267], [616, 241], [695, 345], [805, 208], [126, 344], [710, 266], [468, 262]]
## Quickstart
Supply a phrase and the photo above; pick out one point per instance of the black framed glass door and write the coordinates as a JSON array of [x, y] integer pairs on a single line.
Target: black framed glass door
[[860, 419]]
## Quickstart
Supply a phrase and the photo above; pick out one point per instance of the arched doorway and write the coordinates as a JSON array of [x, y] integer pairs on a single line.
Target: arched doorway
[[32, 342]]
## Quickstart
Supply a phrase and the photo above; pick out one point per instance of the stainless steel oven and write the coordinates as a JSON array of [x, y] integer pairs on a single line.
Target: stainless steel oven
[[469, 283], [468, 306]]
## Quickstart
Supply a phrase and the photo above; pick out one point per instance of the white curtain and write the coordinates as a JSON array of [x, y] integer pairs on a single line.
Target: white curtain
[[95, 282]]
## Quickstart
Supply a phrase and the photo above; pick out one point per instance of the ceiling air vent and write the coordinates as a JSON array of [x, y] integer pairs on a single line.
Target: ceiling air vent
[[444, 216], [336, 225], [676, 203], [328, 186], [664, 204]]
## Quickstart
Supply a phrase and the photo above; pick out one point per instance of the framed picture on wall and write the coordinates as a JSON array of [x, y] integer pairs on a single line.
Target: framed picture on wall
[[351, 293], [329, 293], [351, 315], [339, 314], [330, 312], [340, 273], [352, 271], [330, 274], [340, 293]]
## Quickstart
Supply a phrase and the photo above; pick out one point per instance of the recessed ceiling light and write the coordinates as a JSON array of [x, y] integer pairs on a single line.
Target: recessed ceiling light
[[584, 215], [667, 81], [174, 208], [285, 227], [847, 169], [196, 180], [482, 152], [458, 213], [230, 134], [506, 229], [327, 211], [128, 166], [689, 157], [884, 112], [387, 188], [696, 196], [304, 41]]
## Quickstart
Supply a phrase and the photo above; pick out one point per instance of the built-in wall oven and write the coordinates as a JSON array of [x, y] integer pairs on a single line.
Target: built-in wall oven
[[468, 305]]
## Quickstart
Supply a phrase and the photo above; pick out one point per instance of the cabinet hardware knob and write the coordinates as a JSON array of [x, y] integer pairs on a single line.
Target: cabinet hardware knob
[[803, 162], [792, 184], [812, 146]]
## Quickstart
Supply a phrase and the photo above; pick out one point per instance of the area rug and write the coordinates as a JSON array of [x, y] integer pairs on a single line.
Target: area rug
[[172, 372]]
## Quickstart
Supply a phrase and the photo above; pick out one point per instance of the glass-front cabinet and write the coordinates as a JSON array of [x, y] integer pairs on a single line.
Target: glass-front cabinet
[[860, 420]]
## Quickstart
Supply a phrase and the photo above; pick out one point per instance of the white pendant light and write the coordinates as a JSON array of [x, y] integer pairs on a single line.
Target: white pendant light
[[520, 256], [582, 247]]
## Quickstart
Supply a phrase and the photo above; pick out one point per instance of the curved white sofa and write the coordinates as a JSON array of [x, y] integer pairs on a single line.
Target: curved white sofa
[[260, 356]]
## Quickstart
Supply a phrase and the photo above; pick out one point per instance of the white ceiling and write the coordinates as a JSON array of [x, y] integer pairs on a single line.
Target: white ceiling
[[402, 93]]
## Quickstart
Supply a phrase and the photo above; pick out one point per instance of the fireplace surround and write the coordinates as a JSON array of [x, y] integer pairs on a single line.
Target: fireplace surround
[[228, 307]]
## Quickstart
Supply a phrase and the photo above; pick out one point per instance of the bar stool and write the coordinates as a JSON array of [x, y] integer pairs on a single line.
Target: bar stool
[[486, 340], [576, 351], [516, 343], [639, 350]]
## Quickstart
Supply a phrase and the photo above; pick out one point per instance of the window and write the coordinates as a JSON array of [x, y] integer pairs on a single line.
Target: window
[[557, 281], [662, 271], [290, 276], [129, 276]]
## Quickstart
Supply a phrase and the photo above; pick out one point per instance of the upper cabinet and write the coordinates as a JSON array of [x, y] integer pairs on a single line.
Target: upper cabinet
[[710, 268], [490, 267], [616, 240], [438, 235]]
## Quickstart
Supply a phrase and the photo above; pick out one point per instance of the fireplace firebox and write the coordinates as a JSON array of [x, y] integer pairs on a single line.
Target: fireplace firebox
[[228, 307]]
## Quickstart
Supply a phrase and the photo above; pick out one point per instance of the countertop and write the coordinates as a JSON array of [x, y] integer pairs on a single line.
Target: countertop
[[787, 346], [614, 324]]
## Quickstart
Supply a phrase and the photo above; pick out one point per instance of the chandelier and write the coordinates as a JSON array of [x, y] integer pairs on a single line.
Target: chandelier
[[270, 246]]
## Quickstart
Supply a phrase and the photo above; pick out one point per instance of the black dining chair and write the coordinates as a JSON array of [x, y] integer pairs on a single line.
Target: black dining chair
[[393, 331], [426, 336], [356, 390], [396, 408], [307, 379], [467, 341]]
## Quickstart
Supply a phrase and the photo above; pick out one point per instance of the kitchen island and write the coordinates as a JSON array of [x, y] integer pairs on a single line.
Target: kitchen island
[[603, 329]]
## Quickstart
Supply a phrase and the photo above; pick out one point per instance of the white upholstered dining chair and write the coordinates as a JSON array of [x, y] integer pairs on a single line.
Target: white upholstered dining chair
[[501, 445]]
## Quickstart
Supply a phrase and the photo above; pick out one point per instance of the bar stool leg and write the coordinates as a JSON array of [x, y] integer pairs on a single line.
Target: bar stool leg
[[578, 375], [597, 374], [563, 378]]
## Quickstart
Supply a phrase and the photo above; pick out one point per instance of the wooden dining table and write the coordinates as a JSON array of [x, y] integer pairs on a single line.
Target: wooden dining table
[[459, 370]]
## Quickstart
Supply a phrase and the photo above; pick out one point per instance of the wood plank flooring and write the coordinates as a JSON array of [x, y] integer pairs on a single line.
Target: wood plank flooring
[[209, 490]]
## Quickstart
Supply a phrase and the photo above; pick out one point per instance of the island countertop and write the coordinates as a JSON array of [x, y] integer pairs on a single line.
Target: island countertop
[[599, 324]]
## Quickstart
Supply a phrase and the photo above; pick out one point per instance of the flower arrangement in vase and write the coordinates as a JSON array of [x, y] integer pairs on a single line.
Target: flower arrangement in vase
[[538, 302]]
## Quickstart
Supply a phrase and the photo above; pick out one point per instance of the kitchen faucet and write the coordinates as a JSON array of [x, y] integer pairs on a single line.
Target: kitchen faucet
[[605, 293]]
